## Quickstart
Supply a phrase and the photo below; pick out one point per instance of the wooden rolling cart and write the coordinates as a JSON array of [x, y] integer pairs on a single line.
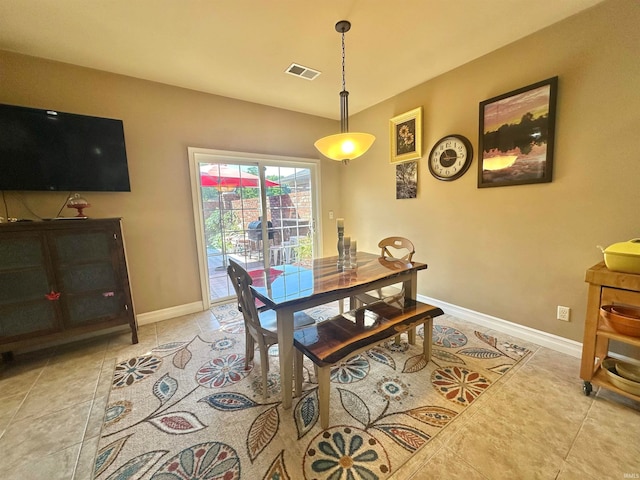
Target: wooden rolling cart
[[605, 287]]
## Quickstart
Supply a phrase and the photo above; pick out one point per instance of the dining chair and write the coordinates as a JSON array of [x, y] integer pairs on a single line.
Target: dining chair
[[396, 248], [260, 327]]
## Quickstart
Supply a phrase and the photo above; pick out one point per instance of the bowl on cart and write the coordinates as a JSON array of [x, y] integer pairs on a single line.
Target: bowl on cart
[[623, 319], [628, 371], [623, 256], [629, 386]]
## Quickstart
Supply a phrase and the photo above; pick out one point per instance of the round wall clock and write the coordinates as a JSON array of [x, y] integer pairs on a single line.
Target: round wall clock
[[450, 157]]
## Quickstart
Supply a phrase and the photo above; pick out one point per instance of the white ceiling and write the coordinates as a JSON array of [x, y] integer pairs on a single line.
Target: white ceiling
[[241, 48]]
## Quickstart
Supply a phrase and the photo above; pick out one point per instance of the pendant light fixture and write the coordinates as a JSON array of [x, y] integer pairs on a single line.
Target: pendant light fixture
[[344, 146]]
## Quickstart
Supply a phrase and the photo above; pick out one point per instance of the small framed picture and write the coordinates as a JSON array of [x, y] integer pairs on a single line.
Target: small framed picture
[[516, 137], [407, 180], [406, 136]]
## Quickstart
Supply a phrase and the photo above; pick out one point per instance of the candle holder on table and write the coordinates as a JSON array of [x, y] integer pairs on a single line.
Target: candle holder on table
[[353, 255], [346, 262], [340, 223]]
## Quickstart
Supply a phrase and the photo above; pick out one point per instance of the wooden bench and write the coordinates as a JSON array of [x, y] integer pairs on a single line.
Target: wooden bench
[[329, 342]]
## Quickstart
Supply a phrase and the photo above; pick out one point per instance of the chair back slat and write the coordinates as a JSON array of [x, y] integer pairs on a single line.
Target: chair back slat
[[242, 281], [397, 247]]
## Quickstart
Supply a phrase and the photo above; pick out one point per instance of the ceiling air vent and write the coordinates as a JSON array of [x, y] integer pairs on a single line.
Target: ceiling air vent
[[300, 71]]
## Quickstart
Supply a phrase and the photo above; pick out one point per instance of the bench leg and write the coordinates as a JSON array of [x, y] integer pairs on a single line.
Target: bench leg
[[428, 338], [412, 336], [324, 381]]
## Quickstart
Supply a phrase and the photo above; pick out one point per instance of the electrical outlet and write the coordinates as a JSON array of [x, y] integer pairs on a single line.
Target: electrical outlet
[[330, 214], [563, 313]]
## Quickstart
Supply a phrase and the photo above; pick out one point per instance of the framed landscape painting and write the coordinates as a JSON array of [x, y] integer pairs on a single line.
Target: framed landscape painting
[[516, 136], [406, 136]]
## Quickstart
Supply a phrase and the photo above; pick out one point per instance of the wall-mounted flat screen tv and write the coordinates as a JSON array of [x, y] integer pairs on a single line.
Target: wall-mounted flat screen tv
[[58, 151]]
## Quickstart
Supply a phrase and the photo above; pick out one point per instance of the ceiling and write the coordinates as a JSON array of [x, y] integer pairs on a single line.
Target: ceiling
[[241, 48]]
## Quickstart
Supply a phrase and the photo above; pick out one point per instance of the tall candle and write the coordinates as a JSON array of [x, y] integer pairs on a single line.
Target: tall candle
[[340, 222]]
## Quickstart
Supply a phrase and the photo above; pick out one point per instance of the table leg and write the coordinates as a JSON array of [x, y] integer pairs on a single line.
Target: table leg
[[286, 352], [410, 292], [411, 286]]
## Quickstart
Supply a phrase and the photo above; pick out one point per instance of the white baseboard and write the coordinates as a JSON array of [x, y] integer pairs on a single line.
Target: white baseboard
[[167, 313], [554, 342]]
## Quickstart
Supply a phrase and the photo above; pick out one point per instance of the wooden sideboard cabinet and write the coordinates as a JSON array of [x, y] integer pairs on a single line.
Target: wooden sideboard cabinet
[[605, 288], [60, 279]]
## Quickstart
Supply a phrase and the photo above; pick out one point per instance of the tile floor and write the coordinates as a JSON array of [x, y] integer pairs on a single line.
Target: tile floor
[[534, 424]]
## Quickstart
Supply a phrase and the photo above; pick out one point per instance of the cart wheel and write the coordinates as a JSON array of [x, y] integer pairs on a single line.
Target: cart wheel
[[587, 388]]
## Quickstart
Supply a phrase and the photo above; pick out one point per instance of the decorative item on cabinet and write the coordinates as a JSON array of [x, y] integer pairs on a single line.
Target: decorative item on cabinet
[[79, 203]]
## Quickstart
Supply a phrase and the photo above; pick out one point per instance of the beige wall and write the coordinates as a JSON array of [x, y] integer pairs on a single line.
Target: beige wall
[[511, 252], [517, 252], [160, 122]]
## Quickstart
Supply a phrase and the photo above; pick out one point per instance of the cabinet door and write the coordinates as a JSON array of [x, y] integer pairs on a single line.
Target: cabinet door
[[24, 284], [87, 272]]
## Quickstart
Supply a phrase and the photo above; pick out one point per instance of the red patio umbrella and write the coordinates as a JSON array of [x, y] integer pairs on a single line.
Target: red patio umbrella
[[258, 277], [229, 176]]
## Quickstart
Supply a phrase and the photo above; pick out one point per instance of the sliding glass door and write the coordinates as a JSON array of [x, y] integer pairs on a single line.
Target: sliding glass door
[[257, 210]]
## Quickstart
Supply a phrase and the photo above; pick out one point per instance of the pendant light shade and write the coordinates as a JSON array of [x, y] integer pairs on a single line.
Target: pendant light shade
[[346, 145]]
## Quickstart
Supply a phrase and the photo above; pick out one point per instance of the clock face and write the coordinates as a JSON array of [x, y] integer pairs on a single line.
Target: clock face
[[450, 157]]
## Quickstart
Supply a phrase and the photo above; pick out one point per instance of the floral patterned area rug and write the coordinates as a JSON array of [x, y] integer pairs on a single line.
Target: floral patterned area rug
[[189, 410]]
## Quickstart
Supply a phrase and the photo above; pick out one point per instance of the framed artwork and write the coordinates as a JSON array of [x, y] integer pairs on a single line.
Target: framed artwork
[[516, 137], [406, 180], [406, 136]]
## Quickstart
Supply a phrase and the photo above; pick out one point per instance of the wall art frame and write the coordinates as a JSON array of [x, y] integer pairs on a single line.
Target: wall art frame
[[406, 136], [517, 135], [406, 180]]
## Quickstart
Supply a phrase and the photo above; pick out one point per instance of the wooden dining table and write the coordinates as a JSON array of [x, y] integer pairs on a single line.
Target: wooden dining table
[[290, 288]]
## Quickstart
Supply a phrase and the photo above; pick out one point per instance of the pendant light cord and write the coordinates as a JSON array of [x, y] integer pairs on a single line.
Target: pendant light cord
[[344, 95], [344, 83]]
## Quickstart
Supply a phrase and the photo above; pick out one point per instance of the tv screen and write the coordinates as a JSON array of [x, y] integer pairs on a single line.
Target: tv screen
[[51, 150]]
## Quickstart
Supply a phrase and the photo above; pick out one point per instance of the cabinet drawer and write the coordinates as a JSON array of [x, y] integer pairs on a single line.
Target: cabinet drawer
[[616, 295]]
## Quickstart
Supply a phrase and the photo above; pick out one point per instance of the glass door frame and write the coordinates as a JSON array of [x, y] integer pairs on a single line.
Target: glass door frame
[[198, 155]]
